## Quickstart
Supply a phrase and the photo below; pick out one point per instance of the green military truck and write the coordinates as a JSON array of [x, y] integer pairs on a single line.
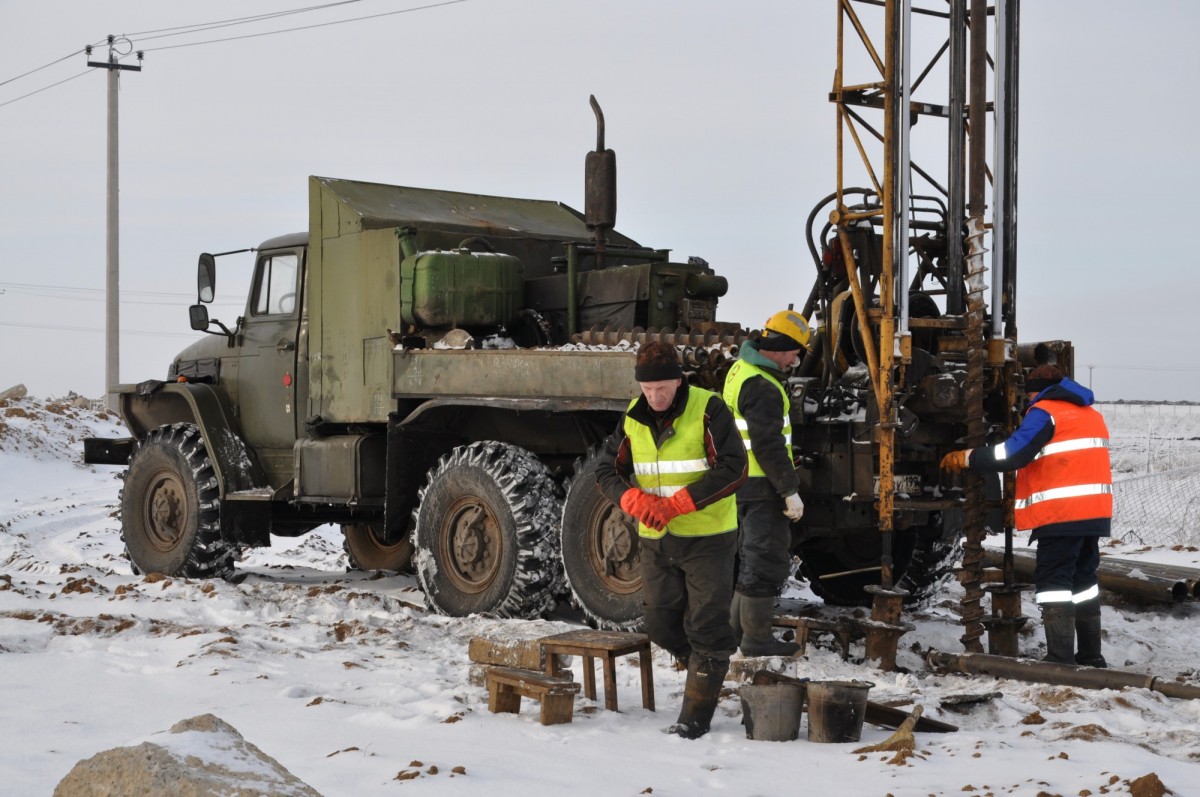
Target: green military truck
[[405, 369]]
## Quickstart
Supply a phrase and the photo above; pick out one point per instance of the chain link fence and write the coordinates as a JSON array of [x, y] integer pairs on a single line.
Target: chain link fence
[[1158, 508]]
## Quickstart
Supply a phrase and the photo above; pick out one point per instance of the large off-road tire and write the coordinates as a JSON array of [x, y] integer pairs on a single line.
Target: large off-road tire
[[170, 518], [486, 533], [922, 560], [366, 549], [600, 553]]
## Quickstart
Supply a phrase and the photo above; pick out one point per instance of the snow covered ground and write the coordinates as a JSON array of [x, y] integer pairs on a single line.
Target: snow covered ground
[[347, 681]]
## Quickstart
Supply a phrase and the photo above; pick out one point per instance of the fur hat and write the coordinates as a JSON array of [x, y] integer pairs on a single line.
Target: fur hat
[[1043, 377]]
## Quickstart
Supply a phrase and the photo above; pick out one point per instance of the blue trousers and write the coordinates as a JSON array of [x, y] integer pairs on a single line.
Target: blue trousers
[[1066, 569]]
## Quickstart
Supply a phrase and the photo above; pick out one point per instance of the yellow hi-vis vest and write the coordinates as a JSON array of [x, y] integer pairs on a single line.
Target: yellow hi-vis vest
[[737, 376], [681, 460]]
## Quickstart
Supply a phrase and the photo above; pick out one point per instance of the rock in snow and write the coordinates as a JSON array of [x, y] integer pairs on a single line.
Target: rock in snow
[[200, 757]]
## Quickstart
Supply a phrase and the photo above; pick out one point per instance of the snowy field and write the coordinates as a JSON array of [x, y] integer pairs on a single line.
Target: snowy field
[[349, 683]]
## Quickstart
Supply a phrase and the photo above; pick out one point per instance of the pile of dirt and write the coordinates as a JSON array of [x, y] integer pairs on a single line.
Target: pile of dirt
[[53, 428]]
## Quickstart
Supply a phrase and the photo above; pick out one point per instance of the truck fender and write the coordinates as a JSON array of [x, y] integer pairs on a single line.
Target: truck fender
[[150, 405]]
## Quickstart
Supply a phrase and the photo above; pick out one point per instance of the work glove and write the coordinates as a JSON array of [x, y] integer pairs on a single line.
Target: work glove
[[667, 509], [793, 507], [956, 461], [641, 505]]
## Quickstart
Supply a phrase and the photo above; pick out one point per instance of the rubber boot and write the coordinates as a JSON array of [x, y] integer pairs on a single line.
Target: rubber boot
[[1059, 621], [735, 618], [757, 636], [682, 657], [1087, 630], [701, 692]]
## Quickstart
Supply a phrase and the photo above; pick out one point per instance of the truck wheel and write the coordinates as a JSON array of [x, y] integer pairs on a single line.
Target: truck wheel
[[922, 560], [366, 549], [600, 548], [484, 533], [170, 520]]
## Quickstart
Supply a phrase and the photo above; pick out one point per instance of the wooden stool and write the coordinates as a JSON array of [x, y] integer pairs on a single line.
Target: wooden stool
[[605, 645], [507, 685]]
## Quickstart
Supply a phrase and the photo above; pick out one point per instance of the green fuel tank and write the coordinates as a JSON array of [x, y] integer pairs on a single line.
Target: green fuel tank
[[460, 288]]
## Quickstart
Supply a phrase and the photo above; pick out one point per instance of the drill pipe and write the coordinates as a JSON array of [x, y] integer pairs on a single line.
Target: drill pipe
[[973, 514], [1144, 580], [1045, 672]]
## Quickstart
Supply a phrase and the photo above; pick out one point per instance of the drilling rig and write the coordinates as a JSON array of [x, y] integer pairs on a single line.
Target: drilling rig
[[917, 353]]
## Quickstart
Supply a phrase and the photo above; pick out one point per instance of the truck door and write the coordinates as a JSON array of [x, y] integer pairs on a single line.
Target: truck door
[[267, 371]]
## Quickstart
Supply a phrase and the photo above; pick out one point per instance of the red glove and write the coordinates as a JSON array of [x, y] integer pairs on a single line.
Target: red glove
[[956, 460], [640, 504], [667, 509]]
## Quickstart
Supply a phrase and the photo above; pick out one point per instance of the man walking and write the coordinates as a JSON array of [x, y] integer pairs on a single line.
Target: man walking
[[674, 464], [1064, 494], [769, 500]]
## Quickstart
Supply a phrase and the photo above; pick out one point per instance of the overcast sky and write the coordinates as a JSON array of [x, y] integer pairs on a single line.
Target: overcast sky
[[718, 112]]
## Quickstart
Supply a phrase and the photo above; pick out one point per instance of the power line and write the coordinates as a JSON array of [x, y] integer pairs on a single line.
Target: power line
[[44, 88], [1147, 367], [307, 27], [42, 294], [16, 285], [40, 68], [225, 23], [66, 328]]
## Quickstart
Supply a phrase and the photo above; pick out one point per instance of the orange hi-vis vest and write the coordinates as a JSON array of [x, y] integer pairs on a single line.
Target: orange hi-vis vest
[[1071, 477]]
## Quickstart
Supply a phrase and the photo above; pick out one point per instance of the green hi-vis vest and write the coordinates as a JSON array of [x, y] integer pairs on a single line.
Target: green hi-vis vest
[[680, 461], [738, 374]]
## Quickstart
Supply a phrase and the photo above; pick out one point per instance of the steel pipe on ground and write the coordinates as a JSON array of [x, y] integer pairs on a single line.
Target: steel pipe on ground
[[1059, 674]]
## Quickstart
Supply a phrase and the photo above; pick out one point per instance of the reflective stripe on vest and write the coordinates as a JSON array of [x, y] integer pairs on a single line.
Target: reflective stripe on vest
[[1070, 479], [682, 459], [1074, 491], [738, 374]]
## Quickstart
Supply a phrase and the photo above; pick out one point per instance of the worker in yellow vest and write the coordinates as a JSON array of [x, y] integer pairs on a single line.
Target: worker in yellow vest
[[769, 502], [674, 463]]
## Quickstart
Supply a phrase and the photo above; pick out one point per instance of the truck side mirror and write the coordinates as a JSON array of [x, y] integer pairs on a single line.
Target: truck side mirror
[[198, 314], [206, 284]]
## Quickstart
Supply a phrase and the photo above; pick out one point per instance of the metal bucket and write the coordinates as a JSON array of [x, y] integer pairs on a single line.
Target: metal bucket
[[836, 710], [771, 712]]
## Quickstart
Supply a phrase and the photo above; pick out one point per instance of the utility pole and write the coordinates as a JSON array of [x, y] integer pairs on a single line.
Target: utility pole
[[112, 285]]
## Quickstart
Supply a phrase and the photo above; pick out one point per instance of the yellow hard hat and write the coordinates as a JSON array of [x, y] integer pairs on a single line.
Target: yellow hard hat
[[785, 331]]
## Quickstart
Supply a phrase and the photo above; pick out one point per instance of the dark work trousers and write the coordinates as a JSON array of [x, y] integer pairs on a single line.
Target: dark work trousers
[[687, 584], [1066, 565], [764, 540]]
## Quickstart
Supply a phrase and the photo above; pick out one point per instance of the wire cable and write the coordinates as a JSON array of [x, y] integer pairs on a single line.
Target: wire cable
[[167, 294], [65, 328], [180, 30], [305, 27], [219, 24], [40, 68], [44, 88]]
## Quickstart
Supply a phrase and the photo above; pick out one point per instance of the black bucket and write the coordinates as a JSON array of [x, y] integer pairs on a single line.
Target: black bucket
[[836, 710], [771, 712]]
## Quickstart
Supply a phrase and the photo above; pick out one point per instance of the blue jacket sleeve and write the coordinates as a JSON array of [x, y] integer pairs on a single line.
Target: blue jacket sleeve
[[1018, 450]]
